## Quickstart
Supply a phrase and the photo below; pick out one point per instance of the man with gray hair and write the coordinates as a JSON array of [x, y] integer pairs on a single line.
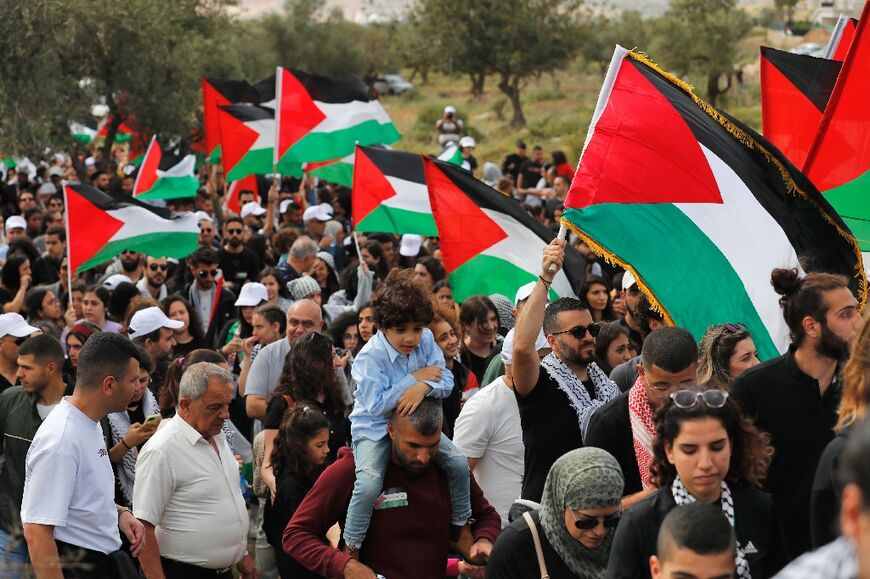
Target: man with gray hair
[[195, 520], [412, 515], [301, 257]]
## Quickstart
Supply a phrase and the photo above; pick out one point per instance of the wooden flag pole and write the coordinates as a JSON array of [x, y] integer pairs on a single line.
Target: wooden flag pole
[[69, 264]]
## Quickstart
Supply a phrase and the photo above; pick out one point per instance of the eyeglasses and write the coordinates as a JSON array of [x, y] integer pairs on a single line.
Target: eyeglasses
[[585, 523], [234, 231], [156, 266], [689, 398], [580, 331], [734, 328], [18, 341], [207, 273]]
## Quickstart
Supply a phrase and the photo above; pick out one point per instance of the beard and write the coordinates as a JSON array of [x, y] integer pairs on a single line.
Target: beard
[[234, 241], [571, 355], [129, 266], [832, 345]]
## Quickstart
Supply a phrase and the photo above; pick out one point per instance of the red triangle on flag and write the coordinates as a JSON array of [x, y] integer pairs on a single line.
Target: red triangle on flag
[[211, 100], [464, 230], [89, 228], [248, 183], [295, 112], [845, 41], [147, 175], [642, 151], [370, 186], [236, 140]]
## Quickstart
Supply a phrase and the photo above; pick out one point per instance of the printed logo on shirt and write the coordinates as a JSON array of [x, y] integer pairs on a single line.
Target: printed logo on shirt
[[750, 549], [391, 499]]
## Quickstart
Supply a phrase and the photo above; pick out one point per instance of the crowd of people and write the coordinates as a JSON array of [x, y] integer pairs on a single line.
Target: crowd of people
[[294, 399]]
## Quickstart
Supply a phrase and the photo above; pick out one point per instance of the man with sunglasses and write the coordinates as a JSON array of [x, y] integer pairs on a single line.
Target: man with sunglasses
[[13, 331], [206, 293], [153, 284], [557, 395], [238, 263], [624, 427]]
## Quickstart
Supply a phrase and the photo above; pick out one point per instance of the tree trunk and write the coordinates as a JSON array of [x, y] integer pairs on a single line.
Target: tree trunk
[[477, 84], [714, 91], [510, 86]]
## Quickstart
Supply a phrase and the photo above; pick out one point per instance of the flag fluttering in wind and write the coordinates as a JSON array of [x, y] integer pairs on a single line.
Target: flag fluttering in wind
[[699, 207], [247, 141], [335, 171], [101, 226], [489, 244], [839, 159], [453, 155], [795, 89], [164, 176], [259, 184], [217, 93], [389, 193], [322, 118]]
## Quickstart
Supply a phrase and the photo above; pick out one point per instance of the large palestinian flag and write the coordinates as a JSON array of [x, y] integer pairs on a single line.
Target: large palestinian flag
[[841, 38], [389, 193], [247, 141], [164, 176], [321, 118], [839, 160], [489, 244], [100, 226], [699, 207], [795, 89], [217, 93]]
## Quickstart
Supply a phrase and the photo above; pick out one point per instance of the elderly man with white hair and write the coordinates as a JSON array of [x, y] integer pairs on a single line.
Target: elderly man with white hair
[[187, 487]]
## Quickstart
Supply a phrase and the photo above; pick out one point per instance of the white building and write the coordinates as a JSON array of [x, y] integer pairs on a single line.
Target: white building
[[828, 11]]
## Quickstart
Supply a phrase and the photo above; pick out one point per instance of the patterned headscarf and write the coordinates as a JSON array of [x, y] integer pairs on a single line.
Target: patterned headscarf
[[302, 287], [585, 478], [504, 306]]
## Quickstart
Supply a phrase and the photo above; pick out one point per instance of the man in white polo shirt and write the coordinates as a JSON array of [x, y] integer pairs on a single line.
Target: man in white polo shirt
[[70, 519], [187, 489]]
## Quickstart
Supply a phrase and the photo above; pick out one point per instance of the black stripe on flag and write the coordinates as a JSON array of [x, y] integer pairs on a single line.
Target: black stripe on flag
[[405, 166], [246, 113], [235, 91], [814, 77], [110, 202]]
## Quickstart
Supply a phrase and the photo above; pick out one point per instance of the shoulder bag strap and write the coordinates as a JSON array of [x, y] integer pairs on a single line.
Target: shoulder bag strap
[[537, 540]]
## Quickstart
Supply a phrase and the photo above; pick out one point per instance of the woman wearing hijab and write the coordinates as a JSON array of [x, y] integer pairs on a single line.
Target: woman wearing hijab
[[575, 524]]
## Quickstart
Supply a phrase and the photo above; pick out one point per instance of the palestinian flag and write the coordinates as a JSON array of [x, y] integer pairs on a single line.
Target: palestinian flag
[[841, 38], [100, 226], [488, 243], [699, 207], [259, 184], [335, 171], [839, 159], [321, 118], [795, 89], [217, 93], [163, 176], [453, 155], [247, 141], [389, 193]]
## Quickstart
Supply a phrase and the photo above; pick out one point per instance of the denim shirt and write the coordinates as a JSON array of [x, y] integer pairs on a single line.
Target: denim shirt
[[382, 375]]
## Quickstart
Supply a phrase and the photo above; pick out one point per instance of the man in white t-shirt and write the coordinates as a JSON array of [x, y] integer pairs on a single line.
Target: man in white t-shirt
[[71, 521], [187, 487]]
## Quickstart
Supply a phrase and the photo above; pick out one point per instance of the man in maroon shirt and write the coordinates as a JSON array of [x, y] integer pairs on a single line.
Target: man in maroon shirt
[[409, 535]]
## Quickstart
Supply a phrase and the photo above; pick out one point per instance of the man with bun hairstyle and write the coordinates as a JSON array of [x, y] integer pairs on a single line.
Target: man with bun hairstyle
[[794, 398]]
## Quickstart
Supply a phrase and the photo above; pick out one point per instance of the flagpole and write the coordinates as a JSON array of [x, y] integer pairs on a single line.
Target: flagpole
[[356, 243], [139, 174], [563, 233], [68, 247]]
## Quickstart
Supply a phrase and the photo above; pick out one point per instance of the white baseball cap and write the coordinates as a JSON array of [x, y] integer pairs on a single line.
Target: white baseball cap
[[284, 206], [318, 212], [148, 320], [13, 324], [411, 243], [508, 345], [55, 171], [252, 294], [524, 292], [449, 109], [467, 142], [252, 208], [628, 280], [15, 222], [203, 216], [115, 280]]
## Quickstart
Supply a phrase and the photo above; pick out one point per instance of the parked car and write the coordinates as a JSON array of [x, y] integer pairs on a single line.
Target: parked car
[[391, 84]]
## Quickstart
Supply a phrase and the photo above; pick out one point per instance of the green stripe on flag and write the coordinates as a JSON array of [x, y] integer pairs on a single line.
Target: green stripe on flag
[[172, 188], [623, 230], [170, 244], [852, 202], [489, 275], [338, 172], [326, 146], [215, 157], [385, 219]]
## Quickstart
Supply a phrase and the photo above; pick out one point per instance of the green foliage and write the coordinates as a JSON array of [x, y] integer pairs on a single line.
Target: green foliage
[[424, 126], [601, 35]]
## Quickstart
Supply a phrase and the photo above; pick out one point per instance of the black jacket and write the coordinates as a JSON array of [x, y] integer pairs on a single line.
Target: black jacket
[[610, 430], [827, 492], [224, 311], [513, 555], [755, 523]]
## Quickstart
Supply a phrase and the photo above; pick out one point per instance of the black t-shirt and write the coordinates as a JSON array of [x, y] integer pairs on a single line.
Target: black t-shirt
[[550, 429], [532, 171], [514, 554], [511, 165], [472, 163], [6, 296], [786, 403], [339, 428], [478, 364], [289, 492], [239, 268], [610, 429]]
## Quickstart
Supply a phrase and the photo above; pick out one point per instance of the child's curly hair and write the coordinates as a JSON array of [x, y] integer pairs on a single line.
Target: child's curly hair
[[401, 299]]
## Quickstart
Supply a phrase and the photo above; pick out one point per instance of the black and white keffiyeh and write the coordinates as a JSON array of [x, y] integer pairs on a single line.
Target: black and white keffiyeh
[[119, 423], [682, 497], [568, 382]]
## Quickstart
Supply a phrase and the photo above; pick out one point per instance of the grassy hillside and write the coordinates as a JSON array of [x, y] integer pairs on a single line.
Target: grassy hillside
[[558, 107]]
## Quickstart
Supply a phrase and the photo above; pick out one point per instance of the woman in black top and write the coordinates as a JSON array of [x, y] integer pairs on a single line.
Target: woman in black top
[[579, 510], [308, 374], [299, 452], [188, 337], [14, 283], [705, 450], [479, 319]]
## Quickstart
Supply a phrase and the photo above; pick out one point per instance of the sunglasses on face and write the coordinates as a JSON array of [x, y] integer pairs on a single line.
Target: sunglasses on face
[[156, 266], [580, 331], [689, 398], [585, 523], [206, 273], [234, 231]]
